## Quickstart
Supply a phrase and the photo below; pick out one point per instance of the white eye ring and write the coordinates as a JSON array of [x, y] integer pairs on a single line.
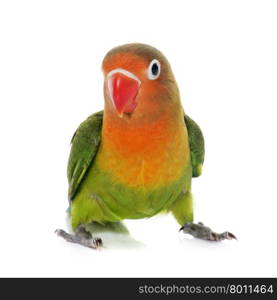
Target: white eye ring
[[154, 69]]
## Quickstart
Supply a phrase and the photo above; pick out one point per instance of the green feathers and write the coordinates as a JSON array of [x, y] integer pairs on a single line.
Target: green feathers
[[197, 146], [85, 143]]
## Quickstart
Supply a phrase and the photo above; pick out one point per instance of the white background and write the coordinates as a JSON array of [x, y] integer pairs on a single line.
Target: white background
[[224, 56]]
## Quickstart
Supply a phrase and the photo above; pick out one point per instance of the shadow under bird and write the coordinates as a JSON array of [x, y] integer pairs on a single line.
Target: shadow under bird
[[136, 158]]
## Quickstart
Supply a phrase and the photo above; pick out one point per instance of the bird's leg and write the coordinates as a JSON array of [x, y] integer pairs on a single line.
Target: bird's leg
[[81, 236], [205, 233]]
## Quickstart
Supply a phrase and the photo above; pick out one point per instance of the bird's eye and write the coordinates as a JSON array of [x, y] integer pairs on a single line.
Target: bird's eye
[[154, 69]]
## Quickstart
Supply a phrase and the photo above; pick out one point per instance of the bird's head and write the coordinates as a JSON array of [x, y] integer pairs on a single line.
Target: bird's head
[[138, 81]]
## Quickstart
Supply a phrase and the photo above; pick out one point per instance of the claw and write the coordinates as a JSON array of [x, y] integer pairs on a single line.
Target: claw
[[229, 235], [222, 236], [98, 242]]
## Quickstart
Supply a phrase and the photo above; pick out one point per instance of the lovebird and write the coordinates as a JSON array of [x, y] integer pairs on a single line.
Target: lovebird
[[137, 157]]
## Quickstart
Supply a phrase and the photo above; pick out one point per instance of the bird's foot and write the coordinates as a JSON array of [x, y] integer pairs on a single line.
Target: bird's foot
[[205, 233], [81, 237]]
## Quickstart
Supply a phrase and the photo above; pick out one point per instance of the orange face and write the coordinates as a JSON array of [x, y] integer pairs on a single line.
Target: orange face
[[143, 127], [136, 83]]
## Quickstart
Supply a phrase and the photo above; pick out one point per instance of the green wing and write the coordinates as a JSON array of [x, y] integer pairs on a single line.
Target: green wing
[[85, 143], [197, 146]]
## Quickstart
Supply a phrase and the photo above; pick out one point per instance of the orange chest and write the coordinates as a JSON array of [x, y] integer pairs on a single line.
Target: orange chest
[[148, 156]]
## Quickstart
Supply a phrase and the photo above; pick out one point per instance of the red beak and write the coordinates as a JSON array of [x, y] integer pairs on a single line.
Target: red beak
[[123, 87]]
